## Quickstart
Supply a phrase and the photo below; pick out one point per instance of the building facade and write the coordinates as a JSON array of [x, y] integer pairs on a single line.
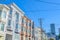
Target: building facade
[[4, 11], [40, 34], [27, 29], [37, 33], [14, 25], [51, 35], [52, 29], [59, 30]]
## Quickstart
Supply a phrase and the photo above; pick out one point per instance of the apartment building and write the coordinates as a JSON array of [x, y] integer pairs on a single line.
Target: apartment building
[[4, 11], [40, 34], [27, 28], [14, 25], [37, 33]]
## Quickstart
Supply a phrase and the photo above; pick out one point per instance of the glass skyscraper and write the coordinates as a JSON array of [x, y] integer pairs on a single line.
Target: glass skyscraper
[[52, 29]]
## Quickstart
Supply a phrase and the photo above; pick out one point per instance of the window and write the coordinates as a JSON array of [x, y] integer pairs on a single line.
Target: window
[[29, 31], [0, 13], [22, 21], [17, 16], [26, 30], [8, 37], [9, 22], [30, 24], [26, 23], [16, 28], [16, 25], [19, 28], [22, 28], [17, 37], [4, 14], [11, 11], [33, 32], [2, 27]]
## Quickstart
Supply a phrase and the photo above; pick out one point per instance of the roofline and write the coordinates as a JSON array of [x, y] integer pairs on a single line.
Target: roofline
[[13, 4], [4, 5]]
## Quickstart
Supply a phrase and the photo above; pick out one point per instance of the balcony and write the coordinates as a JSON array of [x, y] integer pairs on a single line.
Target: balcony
[[22, 33], [16, 31], [30, 35], [9, 29]]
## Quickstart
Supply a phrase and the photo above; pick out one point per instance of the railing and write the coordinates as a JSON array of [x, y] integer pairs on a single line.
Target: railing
[[9, 28]]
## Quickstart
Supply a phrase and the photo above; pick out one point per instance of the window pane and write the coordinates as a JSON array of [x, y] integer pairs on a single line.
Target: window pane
[[19, 28], [16, 28], [11, 11], [22, 28], [22, 21], [17, 16], [2, 27], [0, 13], [30, 24], [4, 14], [17, 36], [9, 22], [8, 37]]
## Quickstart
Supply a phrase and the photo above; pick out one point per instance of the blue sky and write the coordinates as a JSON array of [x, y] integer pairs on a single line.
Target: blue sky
[[48, 10]]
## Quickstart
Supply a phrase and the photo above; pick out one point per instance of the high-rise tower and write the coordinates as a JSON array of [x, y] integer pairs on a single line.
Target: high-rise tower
[[52, 29]]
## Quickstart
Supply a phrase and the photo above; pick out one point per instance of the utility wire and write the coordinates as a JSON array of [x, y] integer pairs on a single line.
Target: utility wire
[[48, 2], [43, 10]]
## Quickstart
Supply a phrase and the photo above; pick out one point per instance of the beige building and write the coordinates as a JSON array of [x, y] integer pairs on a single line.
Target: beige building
[[37, 33], [40, 34], [4, 11], [14, 25], [27, 28]]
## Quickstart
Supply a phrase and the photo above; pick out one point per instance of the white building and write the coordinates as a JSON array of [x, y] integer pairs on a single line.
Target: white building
[[40, 34], [37, 33], [12, 19], [4, 11]]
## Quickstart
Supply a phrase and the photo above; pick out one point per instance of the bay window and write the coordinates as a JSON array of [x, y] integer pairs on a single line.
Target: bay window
[[22, 28], [17, 17], [4, 14], [9, 22], [2, 26], [16, 28]]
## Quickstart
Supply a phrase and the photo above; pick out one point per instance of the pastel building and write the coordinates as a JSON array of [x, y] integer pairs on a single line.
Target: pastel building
[[4, 11], [27, 29], [37, 33], [40, 34], [14, 25]]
